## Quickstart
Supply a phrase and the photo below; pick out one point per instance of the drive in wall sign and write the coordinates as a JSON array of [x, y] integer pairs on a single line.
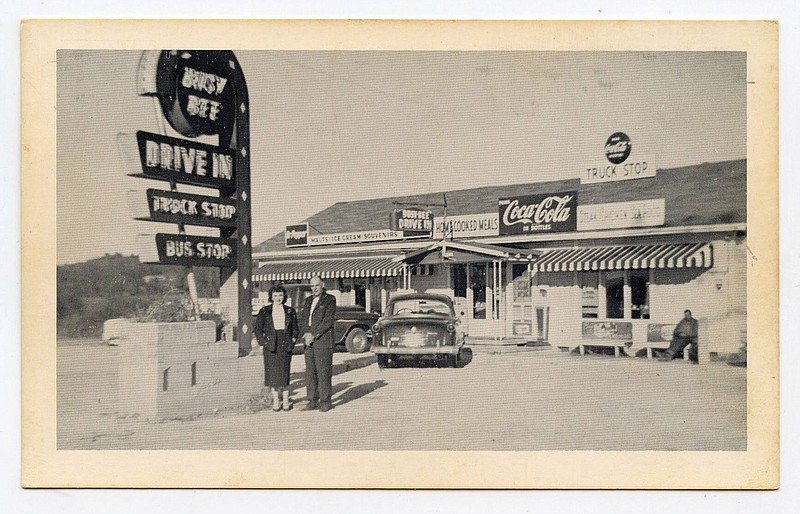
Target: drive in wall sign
[[412, 222], [202, 93]]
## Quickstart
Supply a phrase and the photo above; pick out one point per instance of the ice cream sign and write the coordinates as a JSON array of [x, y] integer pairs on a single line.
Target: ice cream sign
[[619, 161]]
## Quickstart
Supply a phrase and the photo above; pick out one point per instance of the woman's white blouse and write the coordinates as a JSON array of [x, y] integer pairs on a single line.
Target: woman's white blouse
[[278, 317]]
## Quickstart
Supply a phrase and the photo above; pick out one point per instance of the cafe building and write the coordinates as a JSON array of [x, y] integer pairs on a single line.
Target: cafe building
[[618, 253]]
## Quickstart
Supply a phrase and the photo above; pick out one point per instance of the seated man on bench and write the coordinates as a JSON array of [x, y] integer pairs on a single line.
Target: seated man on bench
[[685, 333]]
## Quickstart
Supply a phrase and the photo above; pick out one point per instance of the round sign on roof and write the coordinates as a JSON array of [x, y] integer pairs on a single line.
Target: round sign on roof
[[618, 147], [196, 91]]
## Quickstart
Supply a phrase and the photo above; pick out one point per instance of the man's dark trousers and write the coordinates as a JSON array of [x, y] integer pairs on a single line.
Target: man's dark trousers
[[678, 346], [319, 361]]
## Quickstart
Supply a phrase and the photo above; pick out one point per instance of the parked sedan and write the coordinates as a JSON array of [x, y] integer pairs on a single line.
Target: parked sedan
[[420, 325]]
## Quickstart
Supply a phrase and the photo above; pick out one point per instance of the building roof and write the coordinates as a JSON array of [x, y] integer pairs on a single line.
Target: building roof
[[703, 194]]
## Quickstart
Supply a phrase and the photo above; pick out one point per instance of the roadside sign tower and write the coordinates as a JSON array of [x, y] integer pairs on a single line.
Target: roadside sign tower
[[201, 93]]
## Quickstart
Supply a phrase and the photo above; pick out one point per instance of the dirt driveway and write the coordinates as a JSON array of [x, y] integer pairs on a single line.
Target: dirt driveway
[[524, 399]]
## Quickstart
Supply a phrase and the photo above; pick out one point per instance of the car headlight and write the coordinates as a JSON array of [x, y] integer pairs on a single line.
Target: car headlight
[[451, 327]]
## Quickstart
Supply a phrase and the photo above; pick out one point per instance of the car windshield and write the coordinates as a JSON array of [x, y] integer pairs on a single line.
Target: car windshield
[[420, 306]]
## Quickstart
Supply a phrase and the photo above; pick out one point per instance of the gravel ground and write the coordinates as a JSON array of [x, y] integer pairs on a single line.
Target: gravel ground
[[516, 399]]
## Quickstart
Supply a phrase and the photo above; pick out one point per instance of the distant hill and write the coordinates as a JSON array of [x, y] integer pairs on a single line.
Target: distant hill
[[115, 286]]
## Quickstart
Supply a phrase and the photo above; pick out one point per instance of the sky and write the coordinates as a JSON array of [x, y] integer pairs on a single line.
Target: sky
[[338, 126]]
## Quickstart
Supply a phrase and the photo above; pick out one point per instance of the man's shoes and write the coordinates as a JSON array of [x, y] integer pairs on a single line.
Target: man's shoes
[[325, 407], [311, 406]]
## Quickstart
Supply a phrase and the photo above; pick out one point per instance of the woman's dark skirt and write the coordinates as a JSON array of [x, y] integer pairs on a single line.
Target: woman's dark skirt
[[277, 364]]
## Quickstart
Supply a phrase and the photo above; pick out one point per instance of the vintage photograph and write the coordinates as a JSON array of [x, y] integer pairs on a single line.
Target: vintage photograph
[[490, 250], [500, 262]]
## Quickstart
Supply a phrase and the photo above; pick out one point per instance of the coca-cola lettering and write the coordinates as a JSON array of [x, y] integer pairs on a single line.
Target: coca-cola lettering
[[540, 213], [617, 148], [551, 209]]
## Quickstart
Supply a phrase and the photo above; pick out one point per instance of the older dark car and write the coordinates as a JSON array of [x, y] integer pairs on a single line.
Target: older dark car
[[353, 326], [421, 325]]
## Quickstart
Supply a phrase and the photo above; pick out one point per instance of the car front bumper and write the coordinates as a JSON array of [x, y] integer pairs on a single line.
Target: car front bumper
[[416, 350]]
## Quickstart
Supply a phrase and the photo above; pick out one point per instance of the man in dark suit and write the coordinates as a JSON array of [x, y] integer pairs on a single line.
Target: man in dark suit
[[317, 318]]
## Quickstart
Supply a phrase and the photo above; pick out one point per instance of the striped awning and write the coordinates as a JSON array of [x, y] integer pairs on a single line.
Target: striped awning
[[329, 268], [688, 255]]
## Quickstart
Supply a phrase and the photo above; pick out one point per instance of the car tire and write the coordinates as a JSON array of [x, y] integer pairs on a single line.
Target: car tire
[[383, 361], [356, 341]]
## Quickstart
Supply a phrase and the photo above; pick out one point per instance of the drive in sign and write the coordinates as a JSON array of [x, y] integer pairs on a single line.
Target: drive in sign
[[186, 162]]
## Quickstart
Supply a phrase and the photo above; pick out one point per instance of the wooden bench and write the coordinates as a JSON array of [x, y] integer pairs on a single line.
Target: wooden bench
[[650, 348], [659, 337], [617, 345], [609, 334]]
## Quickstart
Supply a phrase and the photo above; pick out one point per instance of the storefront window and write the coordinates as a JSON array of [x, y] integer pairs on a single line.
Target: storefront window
[[478, 284], [361, 294], [590, 301], [640, 294], [615, 285], [459, 280], [522, 283]]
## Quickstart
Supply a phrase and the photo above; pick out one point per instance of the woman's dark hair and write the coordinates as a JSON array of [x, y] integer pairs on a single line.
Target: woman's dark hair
[[277, 289]]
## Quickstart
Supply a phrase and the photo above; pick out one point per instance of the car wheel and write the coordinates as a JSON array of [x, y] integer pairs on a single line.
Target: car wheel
[[383, 360], [356, 341]]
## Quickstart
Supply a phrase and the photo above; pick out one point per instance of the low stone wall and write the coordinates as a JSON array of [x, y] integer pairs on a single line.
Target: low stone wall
[[179, 370]]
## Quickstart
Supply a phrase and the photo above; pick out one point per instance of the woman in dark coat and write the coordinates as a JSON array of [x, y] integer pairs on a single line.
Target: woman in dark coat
[[276, 331]]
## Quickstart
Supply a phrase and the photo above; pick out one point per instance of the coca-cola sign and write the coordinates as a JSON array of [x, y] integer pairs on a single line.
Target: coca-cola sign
[[553, 212], [618, 147]]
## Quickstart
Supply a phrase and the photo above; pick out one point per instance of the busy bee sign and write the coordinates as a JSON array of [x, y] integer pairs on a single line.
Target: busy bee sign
[[197, 93]]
